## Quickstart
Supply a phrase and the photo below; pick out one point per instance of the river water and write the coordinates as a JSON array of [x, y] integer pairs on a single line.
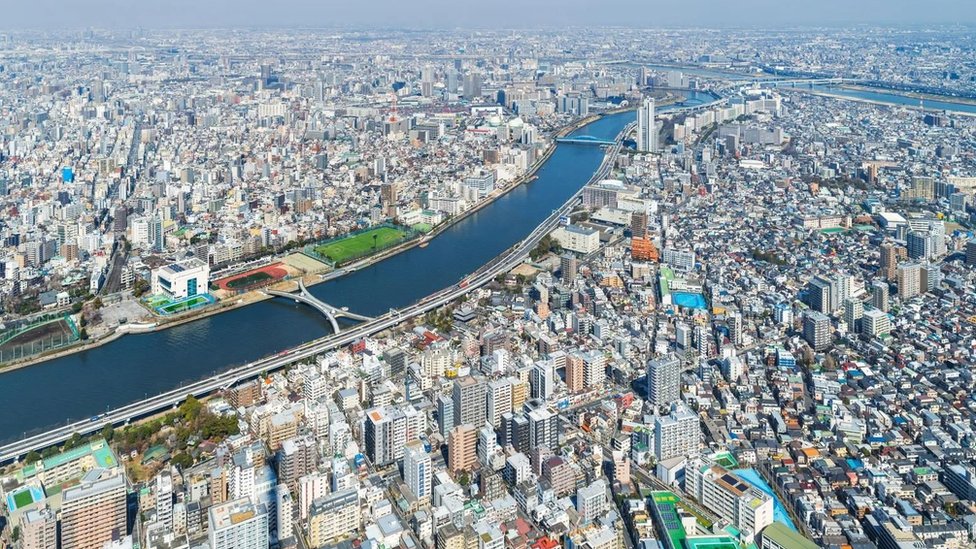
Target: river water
[[87, 383]]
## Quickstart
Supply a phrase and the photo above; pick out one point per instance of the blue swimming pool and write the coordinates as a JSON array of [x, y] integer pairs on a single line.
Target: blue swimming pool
[[779, 512], [689, 300]]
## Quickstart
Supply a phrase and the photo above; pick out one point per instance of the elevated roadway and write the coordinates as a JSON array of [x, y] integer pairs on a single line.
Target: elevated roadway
[[174, 397]]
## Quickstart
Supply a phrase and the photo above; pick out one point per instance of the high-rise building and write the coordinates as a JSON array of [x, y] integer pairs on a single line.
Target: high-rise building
[[471, 87], [889, 260], [819, 293], [39, 529], [875, 322], [469, 401], [971, 252], [663, 378], [646, 126], [638, 224], [417, 470], [542, 380], [297, 457], [164, 499], [591, 500], [334, 518], [723, 492], [387, 430], [920, 245], [816, 330], [879, 295], [734, 322], [238, 524], [94, 512], [574, 373], [568, 265], [487, 444], [543, 428], [462, 448], [853, 311], [677, 434], [909, 280], [445, 414], [499, 400]]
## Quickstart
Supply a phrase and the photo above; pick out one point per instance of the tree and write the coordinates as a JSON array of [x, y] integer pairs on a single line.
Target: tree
[[108, 432], [74, 441], [32, 457], [15, 534], [182, 460]]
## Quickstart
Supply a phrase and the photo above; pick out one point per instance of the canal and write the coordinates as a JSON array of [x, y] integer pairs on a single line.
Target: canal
[[87, 383]]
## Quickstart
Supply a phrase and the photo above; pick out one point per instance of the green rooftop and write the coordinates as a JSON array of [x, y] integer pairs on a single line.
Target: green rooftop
[[786, 537]]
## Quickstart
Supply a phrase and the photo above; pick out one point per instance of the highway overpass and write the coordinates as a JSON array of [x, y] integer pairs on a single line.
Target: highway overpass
[[173, 398]]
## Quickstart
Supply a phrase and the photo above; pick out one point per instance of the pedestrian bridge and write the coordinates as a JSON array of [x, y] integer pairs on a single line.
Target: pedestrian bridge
[[585, 140], [330, 312]]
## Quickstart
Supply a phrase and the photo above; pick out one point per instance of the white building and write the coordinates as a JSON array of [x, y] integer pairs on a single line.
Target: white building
[[677, 434], [591, 500], [182, 279], [875, 322], [646, 126], [238, 524], [417, 470], [577, 239], [746, 507]]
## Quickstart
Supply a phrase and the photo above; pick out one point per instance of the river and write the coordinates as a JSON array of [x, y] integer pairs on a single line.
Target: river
[[87, 383], [894, 98]]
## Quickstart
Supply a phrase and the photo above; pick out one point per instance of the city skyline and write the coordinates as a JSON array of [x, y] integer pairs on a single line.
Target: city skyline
[[506, 14]]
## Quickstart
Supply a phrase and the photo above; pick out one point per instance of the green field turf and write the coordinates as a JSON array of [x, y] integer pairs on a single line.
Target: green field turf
[[249, 280], [23, 499], [360, 244]]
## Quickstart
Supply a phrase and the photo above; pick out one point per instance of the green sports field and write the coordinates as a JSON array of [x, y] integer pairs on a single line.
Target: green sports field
[[361, 244]]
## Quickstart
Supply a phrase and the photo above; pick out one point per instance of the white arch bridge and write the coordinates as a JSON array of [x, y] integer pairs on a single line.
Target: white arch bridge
[[330, 312]]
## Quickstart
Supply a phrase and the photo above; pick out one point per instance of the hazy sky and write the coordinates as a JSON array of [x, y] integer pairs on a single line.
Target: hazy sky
[[476, 13]]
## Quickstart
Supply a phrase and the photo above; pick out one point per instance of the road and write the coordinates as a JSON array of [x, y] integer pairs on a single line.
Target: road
[[173, 398]]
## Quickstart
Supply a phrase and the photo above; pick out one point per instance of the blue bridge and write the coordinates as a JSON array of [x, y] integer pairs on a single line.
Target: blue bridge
[[585, 140]]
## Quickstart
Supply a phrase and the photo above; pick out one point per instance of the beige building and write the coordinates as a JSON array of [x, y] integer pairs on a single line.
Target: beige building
[[93, 512], [39, 529], [334, 518], [462, 445]]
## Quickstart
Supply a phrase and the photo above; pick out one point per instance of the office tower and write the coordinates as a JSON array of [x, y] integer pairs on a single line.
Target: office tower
[[875, 323], [462, 444], [853, 311], [568, 268], [816, 330], [734, 322], [676, 434], [417, 470], [682, 336], [471, 88], [297, 457], [445, 414], [334, 518], [663, 381], [93, 513], [39, 529], [164, 499], [469, 401], [889, 260], [879, 295], [840, 290], [515, 431], [594, 369], [499, 400], [971, 252], [909, 280], [646, 126], [591, 501], [733, 499], [819, 293]]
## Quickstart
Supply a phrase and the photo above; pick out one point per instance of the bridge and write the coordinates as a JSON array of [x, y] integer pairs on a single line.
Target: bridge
[[172, 398], [585, 140], [330, 312]]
